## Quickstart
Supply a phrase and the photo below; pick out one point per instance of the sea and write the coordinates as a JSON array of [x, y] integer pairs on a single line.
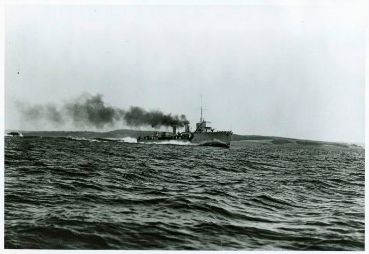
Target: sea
[[78, 193]]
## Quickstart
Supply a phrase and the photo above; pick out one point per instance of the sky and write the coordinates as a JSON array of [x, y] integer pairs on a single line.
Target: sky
[[283, 70]]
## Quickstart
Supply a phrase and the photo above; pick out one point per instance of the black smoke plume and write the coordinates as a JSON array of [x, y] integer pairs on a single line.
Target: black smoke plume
[[136, 116], [91, 111]]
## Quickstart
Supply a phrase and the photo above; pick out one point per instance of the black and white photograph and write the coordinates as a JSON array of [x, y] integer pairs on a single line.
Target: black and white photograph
[[184, 125]]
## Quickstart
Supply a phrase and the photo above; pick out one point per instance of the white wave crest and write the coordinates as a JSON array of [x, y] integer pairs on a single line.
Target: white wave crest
[[128, 140], [79, 138]]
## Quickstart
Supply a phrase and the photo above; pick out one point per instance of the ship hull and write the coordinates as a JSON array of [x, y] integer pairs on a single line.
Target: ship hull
[[214, 138], [167, 141], [219, 138]]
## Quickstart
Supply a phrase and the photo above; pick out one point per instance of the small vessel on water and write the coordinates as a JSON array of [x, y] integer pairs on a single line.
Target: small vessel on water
[[203, 135], [14, 134]]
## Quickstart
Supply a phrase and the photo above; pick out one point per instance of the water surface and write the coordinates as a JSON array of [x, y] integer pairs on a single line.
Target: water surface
[[63, 193]]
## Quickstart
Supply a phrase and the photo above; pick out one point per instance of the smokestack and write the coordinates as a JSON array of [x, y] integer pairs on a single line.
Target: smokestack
[[174, 129], [187, 127]]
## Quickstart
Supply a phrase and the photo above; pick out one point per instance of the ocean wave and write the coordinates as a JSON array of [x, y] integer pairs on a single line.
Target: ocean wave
[[69, 193]]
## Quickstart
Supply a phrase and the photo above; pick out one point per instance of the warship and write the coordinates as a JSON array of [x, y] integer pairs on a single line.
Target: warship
[[203, 135]]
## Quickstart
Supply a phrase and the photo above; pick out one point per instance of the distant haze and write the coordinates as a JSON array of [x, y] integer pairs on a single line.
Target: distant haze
[[293, 71]]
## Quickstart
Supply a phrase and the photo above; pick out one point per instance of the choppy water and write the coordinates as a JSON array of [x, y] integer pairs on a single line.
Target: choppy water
[[79, 194]]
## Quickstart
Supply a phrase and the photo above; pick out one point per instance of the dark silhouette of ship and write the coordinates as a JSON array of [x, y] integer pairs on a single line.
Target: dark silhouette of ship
[[203, 135], [14, 134]]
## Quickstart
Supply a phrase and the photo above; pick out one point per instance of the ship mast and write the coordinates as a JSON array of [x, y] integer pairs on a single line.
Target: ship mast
[[201, 109]]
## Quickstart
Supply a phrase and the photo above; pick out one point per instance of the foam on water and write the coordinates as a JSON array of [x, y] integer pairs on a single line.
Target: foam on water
[[79, 138], [129, 140]]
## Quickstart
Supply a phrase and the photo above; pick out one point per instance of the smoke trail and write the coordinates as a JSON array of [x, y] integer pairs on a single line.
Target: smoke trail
[[138, 117], [37, 113], [91, 111]]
